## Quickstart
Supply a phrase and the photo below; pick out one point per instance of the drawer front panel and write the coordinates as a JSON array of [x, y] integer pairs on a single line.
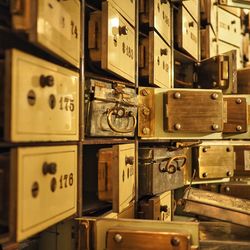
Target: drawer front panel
[[123, 176], [126, 8], [208, 43], [229, 29], [186, 34], [47, 187], [193, 8], [240, 190], [48, 95], [242, 154], [118, 46]]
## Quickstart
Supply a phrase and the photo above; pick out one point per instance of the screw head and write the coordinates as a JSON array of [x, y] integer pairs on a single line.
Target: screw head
[[227, 189], [177, 95], [238, 101], [229, 173], [238, 128], [146, 131], [175, 241], [214, 84], [205, 175], [117, 238], [215, 126], [205, 150], [177, 126], [214, 96]]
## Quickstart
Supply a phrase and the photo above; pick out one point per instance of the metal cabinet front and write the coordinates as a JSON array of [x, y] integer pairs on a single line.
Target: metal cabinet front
[[60, 34], [229, 29], [111, 42], [187, 33], [123, 176], [47, 187], [214, 161], [155, 61], [45, 94]]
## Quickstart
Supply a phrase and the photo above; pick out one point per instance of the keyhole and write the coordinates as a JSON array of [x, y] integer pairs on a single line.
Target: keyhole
[[31, 97], [34, 189], [53, 184], [52, 101], [123, 176]]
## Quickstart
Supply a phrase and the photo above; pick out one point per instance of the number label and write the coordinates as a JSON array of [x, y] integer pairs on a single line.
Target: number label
[[67, 104], [66, 180]]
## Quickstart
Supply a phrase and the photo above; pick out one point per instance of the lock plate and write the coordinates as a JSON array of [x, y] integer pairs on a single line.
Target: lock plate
[[236, 115], [214, 162], [123, 176], [44, 199], [51, 112], [127, 239], [197, 111]]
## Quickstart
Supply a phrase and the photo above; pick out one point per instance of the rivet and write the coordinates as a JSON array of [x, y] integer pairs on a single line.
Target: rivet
[[117, 238], [214, 96], [238, 101], [144, 92], [227, 189], [177, 126], [215, 126], [175, 241], [146, 131], [238, 128], [177, 95], [229, 173], [205, 150], [204, 175], [214, 84]]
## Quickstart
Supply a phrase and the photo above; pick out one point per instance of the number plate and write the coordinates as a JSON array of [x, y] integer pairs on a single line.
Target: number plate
[[47, 187], [235, 115], [187, 33], [214, 162], [126, 8], [193, 8], [155, 64], [131, 234], [197, 111], [60, 34], [208, 43], [47, 94], [229, 29], [112, 42], [123, 176]]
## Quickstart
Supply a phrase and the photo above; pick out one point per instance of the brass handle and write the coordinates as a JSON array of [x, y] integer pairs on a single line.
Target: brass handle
[[47, 81], [49, 168], [170, 167], [116, 112]]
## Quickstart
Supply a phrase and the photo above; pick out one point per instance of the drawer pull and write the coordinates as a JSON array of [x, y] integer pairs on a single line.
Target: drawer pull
[[49, 168], [172, 164], [47, 81], [191, 24], [129, 160], [164, 52], [123, 30]]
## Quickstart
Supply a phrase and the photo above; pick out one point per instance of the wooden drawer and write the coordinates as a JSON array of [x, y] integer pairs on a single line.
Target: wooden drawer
[[155, 65], [60, 35], [47, 94], [208, 43], [111, 42]]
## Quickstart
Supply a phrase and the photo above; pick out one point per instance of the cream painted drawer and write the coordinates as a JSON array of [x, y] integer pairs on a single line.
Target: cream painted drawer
[[60, 34], [245, 4], [187, 33], [42, 99], [157, 14], [126, 8], [225, 47], [155, 61], [229, 29], [111, 42], [193, 8], [208, 43]]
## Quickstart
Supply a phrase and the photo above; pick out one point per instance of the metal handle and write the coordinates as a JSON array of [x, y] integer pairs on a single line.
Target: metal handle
[[116, 112], [123, 30], [47, 81], [170, 167], [49, 168]]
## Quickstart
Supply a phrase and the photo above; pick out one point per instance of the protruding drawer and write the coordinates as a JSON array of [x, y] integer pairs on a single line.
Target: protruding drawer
[[41, 100], [187, 33], [157, 14], [208, 43], [155, 65], [208, 13], [111, 42], [60, 34]]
